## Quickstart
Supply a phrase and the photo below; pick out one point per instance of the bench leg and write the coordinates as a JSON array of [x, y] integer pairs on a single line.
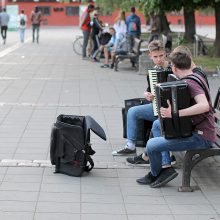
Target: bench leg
[[117, 59], [190, 160], [187, 168]]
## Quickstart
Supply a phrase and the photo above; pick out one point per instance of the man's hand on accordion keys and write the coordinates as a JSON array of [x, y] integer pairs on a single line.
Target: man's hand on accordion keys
[[166, 112], [149, 96]]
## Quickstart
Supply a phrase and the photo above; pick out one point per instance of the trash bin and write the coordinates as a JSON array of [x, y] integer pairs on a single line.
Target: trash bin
[[70, 148]]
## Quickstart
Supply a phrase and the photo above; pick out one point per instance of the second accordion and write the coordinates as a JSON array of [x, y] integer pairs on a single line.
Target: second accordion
[[177, 93]]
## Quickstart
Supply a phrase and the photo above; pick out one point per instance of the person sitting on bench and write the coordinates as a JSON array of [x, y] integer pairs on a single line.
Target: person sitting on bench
[[202, 118], [158, 55]]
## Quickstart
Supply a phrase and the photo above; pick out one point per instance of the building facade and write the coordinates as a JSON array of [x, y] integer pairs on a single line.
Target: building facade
[[60, 13]]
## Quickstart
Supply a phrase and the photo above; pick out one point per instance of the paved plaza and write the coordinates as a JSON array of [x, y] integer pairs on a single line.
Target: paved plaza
[[40, 81]]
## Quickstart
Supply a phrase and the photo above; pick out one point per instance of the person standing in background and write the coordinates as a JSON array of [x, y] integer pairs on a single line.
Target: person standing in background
[[36, 18], [120, 25], [22, 19], [133, 23], [4, 19], [86, 28]]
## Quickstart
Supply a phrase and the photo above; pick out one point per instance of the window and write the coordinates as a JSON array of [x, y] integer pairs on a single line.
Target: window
[[45, 10], [72, 11]]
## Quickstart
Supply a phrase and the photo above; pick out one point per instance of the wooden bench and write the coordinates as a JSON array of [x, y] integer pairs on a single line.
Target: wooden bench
[[133, 56], [193, 157]]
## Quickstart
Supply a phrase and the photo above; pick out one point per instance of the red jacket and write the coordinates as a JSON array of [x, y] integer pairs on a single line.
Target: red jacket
[[86, 25]]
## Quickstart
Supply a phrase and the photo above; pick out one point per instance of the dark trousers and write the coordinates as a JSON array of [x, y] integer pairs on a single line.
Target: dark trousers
[[36, 27], [96, 45], [85, 42], [4, 31], [131, 41]]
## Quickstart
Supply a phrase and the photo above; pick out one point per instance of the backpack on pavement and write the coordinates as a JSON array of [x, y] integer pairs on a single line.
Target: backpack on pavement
[[70, 147]]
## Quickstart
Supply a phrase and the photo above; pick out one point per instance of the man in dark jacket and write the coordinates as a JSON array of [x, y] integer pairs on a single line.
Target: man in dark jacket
[[133, 23], [95, 34]]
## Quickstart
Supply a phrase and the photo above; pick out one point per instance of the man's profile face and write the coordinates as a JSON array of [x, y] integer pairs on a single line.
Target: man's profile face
[[158, 57], [111, 31]]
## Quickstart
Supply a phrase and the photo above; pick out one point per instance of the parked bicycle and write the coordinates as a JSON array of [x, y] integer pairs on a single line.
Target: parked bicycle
[[77, 45]]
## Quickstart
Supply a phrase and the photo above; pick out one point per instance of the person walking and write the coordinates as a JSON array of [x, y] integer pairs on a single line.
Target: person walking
[[86, 28], [22, 19], [36, 18], [133, 23], [4, 19]]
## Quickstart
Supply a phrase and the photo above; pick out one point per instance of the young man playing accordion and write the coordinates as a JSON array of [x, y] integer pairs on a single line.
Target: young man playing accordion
[[145, 112], [202, 118]]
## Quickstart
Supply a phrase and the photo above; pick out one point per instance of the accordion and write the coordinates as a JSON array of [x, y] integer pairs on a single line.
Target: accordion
[[177, 93], [157, 76]]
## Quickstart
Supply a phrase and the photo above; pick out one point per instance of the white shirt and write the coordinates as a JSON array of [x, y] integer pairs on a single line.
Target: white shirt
[[120, 28], [22, 16]]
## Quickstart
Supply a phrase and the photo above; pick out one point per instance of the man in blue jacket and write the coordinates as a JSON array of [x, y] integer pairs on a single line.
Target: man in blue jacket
[[133, 23]]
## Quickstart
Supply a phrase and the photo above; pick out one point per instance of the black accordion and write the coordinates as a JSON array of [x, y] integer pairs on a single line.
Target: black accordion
[[178, 94]]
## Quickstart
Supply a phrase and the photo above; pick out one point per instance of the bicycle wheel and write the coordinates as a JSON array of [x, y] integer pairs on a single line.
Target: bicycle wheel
[[77, 45]]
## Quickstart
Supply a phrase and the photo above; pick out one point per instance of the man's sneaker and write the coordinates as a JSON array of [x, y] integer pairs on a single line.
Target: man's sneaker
[[173, 159], [105, 66], [112, 65], [138, 160], [124, 152], [146, 180], [165, 176]]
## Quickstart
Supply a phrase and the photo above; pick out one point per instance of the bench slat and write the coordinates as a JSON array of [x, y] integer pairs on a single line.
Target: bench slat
[[217, 128], [217, 114]]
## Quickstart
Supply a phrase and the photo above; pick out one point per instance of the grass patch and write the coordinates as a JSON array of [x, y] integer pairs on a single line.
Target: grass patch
[[207, 63]]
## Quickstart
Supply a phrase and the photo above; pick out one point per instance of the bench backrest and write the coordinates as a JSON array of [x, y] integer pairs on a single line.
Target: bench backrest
[[217, 117], [137, 45]]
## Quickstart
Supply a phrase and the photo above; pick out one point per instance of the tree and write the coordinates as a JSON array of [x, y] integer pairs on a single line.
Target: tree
[[217, 28]]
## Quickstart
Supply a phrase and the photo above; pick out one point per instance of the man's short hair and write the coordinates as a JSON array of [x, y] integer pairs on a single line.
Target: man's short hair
[[181, 60], [133, 9], [156, 45], [90, 6], [183, 49]]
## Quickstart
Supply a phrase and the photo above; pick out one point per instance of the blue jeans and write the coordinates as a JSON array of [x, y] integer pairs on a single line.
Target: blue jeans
[[159, 144], [156, 132], [21, 32], [144, 112]]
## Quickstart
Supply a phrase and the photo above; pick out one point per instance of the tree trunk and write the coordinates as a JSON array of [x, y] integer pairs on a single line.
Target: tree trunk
[[165, 26], [217, 27], [190, 27]]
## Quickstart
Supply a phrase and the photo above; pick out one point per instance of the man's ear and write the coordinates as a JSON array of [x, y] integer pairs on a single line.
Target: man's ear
[[149, 55]]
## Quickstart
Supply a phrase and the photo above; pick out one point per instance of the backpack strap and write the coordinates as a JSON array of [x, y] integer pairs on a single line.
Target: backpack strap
[[205, 89], [199, 72], [201, 84]]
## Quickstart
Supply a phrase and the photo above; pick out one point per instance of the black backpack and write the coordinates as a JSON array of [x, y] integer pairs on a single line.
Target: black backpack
[[70, 148], [22, 22]]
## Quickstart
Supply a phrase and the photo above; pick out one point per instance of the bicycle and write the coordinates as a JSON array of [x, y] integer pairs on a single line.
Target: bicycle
[[77, 45]]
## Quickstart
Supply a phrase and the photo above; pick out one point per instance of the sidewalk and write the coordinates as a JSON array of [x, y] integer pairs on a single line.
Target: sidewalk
[[41, 81]]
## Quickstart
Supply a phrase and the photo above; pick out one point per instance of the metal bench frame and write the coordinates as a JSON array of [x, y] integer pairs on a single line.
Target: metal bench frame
[[133, 56]]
